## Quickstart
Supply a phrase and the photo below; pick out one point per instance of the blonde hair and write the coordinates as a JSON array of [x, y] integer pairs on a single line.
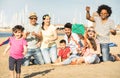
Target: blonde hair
[[86, 33]]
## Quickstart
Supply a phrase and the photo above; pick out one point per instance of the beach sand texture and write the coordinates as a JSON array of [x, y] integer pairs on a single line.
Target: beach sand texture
[[102, 70]]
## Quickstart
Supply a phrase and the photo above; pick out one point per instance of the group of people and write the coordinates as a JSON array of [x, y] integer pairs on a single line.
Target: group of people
[[38, 42], [32, 41]]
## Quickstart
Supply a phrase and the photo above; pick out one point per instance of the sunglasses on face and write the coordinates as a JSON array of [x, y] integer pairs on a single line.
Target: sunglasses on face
[[33, 18], [91, 31]]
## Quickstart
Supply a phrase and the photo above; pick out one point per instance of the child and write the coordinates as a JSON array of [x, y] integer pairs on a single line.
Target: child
[[90, 50], [64, 51], [17, 48]]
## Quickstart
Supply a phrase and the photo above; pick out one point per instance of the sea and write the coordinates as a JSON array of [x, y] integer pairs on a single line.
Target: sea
[[8, 34], [5, 34]]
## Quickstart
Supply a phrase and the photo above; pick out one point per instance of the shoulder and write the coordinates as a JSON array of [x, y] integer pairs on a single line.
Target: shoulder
[[24, 41], [11, 38], [110, 20], [52, 26], [74, 35], [65, 36], [67, 48], [97, 18]]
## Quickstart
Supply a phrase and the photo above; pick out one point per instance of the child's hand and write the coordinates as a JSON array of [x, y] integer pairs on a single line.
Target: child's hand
[[33, 33], [24, 53], [38, 44]]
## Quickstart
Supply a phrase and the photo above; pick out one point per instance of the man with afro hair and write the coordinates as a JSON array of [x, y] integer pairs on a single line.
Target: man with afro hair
[[104, 26]]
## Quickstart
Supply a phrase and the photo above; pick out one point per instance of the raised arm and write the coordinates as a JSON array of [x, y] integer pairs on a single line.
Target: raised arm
[[88, 14]]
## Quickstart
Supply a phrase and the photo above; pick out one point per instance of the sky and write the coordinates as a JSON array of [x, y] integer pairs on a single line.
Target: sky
[[61, 11]]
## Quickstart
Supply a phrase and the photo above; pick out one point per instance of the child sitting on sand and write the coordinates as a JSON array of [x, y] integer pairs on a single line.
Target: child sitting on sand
[[17, 48], [88, 53], [64, 51], [90, 50]]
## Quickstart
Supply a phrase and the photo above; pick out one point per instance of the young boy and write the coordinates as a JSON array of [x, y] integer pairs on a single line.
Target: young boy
[[64, 51]]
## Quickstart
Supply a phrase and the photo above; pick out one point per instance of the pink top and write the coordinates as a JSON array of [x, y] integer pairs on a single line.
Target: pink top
[[17, 47], [87, 52]]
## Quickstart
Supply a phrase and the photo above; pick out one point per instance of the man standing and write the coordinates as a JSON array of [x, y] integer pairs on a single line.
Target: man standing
[[104, 26], [33, 37]]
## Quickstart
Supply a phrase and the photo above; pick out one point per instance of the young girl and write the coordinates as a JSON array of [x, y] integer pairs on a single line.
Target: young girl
[[17, 49], [90, 50], [64, 51], [88, 54]]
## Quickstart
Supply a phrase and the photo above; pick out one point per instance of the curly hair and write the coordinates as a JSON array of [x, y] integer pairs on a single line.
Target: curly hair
[[106, 7]]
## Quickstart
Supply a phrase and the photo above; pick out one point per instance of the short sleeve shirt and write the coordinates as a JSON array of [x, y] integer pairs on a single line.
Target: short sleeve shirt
[[103, 30], [72, 44], [63, 52], [48, 35], [32, 40], [17, 47]]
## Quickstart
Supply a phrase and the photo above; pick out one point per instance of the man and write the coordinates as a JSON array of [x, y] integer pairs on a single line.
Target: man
[[104, 26], [33, 37], [72, 41]]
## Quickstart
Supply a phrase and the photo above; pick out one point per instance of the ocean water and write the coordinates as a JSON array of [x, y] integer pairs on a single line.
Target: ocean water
[[5, 34]]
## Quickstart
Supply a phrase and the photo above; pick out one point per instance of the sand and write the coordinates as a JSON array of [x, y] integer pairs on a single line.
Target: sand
[[101, 70]]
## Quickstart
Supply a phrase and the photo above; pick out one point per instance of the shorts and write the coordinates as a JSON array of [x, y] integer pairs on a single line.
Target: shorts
[[15, 64]]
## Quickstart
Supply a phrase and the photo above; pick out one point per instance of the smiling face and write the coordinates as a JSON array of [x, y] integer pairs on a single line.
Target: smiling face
[[33, 20], [47, 20], [104, 14], [67, 31], [18, 34], [62, 45], [91, 32]]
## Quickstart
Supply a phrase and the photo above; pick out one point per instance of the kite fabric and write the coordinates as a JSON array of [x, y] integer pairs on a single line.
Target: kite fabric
[[78, 28]]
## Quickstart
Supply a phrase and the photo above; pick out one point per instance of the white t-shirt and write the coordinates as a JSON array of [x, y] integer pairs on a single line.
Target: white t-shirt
[[72, 44]]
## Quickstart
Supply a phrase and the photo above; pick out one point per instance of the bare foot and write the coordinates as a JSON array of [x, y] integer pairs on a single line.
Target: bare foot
[[117, 58]]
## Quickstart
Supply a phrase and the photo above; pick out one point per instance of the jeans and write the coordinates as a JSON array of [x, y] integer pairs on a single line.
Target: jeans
[[49, 54], [69, 59], [92, 59], [105, 51], [36, 53]]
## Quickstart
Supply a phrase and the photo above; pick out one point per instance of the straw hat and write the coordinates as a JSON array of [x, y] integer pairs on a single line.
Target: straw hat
[[32, 14]]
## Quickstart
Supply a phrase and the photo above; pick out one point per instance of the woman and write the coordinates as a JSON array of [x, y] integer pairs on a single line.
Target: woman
[[48, 46], [90, 33], [90, 50]]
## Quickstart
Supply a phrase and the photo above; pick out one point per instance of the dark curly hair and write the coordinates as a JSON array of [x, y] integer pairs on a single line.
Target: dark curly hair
[[106, 7]]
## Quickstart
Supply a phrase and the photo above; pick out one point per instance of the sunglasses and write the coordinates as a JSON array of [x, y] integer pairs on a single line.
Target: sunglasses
[[33, 18], [91, 31]]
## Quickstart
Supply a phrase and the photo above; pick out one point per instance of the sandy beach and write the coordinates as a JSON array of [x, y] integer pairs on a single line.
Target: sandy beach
[[101, 70]]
